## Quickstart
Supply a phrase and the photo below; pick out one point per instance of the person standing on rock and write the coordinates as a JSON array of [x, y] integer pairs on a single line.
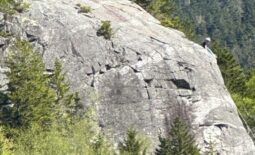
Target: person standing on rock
[[206, 43]]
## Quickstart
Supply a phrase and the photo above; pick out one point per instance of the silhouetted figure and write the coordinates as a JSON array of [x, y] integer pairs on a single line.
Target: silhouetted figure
[[206, 42]]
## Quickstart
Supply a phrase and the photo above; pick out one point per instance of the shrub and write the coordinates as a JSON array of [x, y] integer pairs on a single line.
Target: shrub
[[105, 30], [83, 8], [179, 141], [6, 6], [6, 145], [82, 137], [11, 6], [21, 7], [133, 144]]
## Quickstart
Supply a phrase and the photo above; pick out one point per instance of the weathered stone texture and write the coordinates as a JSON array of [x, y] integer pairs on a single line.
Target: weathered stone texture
[[143, 77]]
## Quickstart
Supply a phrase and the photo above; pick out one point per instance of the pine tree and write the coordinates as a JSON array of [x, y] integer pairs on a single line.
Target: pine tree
[[231, 71], [178, 142], [66, 104], [132, 145], [28, 88], [165, 12]]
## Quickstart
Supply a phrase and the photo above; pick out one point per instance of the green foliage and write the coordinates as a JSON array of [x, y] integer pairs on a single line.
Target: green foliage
[[81, 137], [6, 6], [105, 30], [133, 144], [246, 103], [250, 84], [66, 103], [164, 11], [21, 6], [142, 3], [246, 106], [6, 145], [231, 71], [178, 142], [230, 22], [41, 112], [28, 89], [83, 8], [34, 96], [11, 6]]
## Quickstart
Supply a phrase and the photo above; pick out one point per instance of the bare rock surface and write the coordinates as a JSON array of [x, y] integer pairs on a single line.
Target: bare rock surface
[[143, 77]]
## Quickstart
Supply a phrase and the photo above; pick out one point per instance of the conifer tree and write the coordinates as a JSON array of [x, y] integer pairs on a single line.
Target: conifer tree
[[66, 103], [28, 88], [132, 144], [231, 71], [179, 141], [165, 12]]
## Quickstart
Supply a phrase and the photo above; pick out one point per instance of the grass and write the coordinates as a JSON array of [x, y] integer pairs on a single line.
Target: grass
[[105, 30], [83, 8]]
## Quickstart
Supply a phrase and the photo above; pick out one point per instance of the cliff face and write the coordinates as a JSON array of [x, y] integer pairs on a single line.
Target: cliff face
[[143, 77]]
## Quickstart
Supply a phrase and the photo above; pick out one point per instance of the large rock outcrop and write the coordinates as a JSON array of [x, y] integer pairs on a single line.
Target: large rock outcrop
[[143, 77]]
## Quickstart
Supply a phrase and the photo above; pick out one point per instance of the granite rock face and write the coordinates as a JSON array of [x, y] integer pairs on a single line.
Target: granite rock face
[[143, 77]]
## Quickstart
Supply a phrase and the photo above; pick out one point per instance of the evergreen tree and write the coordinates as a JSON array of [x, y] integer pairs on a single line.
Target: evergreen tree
[[165, 12], [28, 88], [231, 71], [178, 142], [66, 104], [246, 104], [132, 145], [250, 85], [230, 22]]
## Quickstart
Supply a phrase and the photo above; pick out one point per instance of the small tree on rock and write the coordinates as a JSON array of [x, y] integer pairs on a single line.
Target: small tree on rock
[[132, 144], [28, 88], [178, 142], [66, 103]]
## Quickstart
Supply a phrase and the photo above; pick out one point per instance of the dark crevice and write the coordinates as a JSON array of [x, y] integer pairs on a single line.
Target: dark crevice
[[181, 83], [93, 70], [49, 70], [148, 81], [31, 38], [74, 51], [89, 74], [188, 69], [187, 96], [158, 86], [221, 126], [185, 65], [101, 72], [137, 53], [92, 82], [108, 67], [148, 93], [135, 70], [153, 38]]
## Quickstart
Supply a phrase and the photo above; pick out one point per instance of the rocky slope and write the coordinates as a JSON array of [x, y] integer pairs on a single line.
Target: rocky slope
[[143, 77]]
